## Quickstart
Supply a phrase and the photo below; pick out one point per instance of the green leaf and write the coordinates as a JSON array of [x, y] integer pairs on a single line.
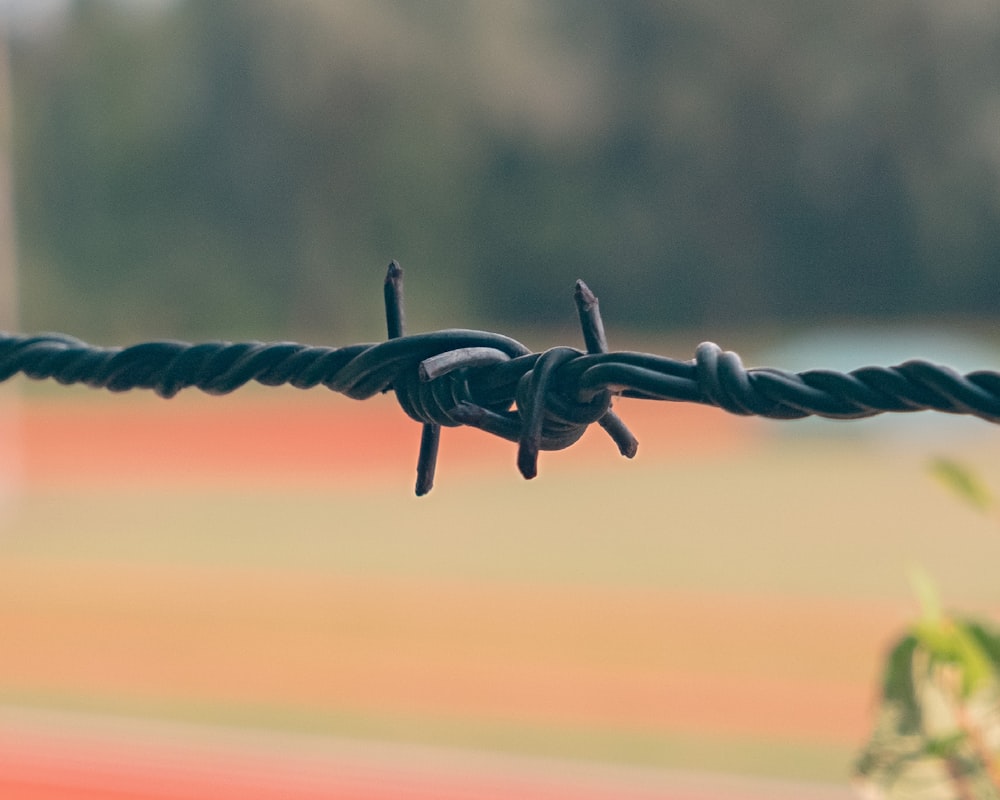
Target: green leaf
[[963, 482], [945, 746], [987, 638], [949, 642]]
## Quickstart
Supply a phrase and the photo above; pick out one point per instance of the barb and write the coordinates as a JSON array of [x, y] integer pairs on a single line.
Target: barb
[[541, 401]]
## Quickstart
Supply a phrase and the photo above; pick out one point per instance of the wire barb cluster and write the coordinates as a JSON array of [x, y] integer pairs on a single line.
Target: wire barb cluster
[[542, 401]]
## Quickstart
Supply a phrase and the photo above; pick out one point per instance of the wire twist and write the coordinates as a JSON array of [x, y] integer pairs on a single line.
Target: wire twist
[[542, 401]]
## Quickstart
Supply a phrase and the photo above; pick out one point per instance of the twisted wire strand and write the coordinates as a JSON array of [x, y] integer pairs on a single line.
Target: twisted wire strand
[[542, 401], [493, 370]]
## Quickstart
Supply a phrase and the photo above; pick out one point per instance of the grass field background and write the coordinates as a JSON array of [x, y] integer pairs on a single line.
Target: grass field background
[[177, 577]]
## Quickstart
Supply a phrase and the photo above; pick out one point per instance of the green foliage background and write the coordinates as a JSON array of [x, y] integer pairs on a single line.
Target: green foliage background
[[248, 167]]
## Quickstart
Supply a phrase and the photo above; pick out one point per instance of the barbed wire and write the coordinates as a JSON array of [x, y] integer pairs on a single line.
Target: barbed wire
[[541, 401]]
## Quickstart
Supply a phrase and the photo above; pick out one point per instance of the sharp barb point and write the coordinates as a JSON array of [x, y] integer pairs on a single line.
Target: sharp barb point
[[584, 294], [527, 461], [430, 438], [613, 425], [589, 312], [392, 294]]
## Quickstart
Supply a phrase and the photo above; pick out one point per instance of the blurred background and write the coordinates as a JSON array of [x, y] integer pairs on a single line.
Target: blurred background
[[191, 168], [814, 185]]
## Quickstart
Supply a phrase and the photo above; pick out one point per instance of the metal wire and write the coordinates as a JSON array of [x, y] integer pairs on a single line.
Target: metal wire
[[542, 401]]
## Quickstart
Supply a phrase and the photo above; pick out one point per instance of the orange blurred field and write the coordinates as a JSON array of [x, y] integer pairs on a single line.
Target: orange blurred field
[[258, 563], [287, 438]]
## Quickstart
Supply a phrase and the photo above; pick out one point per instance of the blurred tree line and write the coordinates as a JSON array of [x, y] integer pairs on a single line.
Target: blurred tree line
[[248, 167]]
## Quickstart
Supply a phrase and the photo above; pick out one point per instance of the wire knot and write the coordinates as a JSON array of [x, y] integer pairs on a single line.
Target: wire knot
[[534, 399], [543, 413]]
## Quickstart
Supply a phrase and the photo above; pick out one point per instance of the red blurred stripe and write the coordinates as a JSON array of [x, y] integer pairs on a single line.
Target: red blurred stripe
[[139, 763], [291, 438]]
